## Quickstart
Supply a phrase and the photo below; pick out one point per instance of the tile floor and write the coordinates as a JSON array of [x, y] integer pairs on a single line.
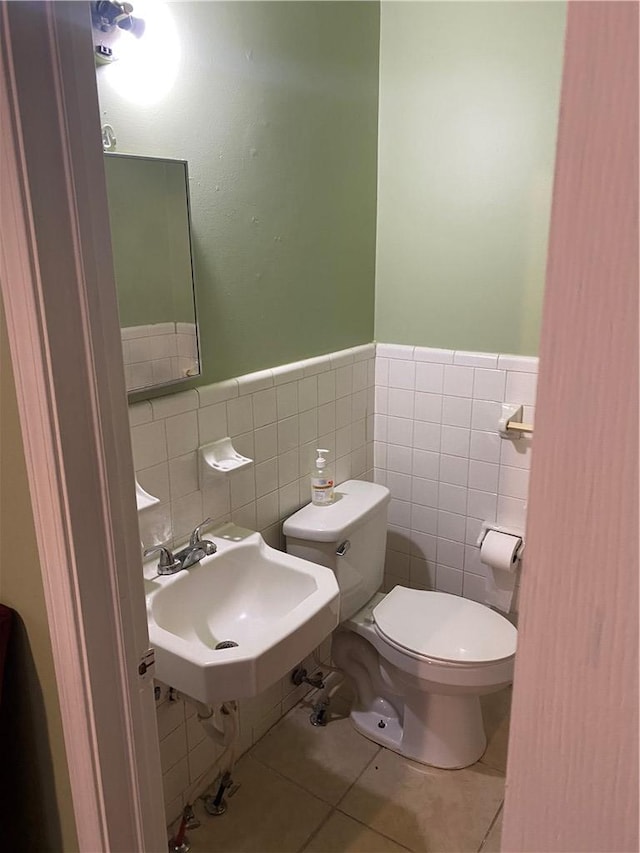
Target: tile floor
[[330, 790]]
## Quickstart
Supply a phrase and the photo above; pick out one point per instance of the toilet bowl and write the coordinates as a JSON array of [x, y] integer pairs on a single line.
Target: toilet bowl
[[419, 660]]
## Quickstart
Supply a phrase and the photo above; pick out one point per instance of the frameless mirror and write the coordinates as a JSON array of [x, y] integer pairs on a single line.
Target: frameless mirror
[[151, 239]]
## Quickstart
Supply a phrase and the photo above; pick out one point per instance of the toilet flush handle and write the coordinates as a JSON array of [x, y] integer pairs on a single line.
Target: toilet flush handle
[[342, 549]]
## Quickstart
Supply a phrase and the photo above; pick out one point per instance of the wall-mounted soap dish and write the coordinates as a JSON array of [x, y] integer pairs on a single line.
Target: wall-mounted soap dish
[[143, 499], [220, 457]]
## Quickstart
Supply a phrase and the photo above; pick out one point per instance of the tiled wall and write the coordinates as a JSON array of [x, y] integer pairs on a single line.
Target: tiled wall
[[157, 353], [438, 449], [277, 418]]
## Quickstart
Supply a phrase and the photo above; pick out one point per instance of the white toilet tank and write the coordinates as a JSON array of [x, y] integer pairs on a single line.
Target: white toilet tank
[[349, 537]]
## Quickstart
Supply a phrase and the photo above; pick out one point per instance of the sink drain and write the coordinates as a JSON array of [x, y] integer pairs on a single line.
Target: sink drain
[[226, 644]]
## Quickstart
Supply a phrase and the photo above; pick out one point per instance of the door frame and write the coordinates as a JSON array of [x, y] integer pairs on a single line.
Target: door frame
[[572, 771], [60, 302], [59, 295]]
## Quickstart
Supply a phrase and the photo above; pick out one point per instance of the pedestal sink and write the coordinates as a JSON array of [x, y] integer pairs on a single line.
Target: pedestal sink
[[233, 624]]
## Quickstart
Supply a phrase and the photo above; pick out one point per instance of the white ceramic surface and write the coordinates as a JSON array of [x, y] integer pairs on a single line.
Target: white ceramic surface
[[355, 503], [444, 627], [420, 660], [275, 606]]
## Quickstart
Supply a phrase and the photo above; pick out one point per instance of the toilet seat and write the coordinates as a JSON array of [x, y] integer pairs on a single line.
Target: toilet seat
[[444, 628]]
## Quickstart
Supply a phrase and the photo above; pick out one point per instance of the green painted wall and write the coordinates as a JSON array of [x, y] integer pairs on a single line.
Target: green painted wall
[[275, 108], [469, 97]]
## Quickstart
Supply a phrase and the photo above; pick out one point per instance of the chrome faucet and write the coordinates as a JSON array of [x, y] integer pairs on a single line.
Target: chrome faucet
[[197, 547], [196, 541], [170, 563]]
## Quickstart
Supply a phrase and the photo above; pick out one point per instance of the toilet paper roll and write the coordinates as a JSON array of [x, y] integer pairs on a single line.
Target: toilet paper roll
[[499, 589], [499, 551]]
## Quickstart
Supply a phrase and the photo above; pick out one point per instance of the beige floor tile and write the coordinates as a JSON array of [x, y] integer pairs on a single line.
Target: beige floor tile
[[267, 814], [492, 841], [342, 834], [323, 759], [496, 710], [423, 808]]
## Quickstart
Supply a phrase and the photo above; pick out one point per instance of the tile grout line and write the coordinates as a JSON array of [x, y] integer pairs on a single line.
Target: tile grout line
[[250, 752], [358, 777], [332, 809], [314, 833], [491, 825], [372, 829], [287, 779], [333, 806], [296, 785], [337, 808]]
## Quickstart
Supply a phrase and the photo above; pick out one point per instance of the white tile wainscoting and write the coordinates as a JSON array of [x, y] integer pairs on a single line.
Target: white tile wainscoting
[[434, 418], [277, 418], [438, 450]]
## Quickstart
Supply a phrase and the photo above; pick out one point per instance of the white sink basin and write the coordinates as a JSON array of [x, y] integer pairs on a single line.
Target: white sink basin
[[275, 606]]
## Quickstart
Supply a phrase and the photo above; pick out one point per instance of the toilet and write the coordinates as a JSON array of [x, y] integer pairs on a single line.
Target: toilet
[[419, 660]]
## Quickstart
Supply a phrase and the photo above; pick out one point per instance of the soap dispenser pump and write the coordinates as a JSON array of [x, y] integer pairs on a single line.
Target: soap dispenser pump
[[322, 481]]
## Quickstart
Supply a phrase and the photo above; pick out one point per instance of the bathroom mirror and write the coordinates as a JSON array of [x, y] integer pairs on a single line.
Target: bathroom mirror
[[151, 239]]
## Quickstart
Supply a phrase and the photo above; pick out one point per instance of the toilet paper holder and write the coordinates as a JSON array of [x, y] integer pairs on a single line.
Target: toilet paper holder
[[510, 531], [510, 422]]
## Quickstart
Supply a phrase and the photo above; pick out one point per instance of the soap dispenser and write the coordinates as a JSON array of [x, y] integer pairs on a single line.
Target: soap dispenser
[[322, 481]]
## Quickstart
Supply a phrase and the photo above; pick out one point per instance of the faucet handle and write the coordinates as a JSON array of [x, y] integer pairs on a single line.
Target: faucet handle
[[194, 539], [167, 564]]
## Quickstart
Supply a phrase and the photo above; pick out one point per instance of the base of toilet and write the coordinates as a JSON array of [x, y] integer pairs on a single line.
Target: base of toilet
[[441, 731]]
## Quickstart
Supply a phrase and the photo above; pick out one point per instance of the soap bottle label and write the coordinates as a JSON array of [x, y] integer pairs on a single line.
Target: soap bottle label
[[321, 490]]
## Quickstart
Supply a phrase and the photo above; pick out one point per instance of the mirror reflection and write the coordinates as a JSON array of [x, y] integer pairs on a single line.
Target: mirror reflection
[[150, 232]]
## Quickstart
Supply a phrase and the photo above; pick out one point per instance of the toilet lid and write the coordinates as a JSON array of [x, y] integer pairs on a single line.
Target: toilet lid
[[444, 627]]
